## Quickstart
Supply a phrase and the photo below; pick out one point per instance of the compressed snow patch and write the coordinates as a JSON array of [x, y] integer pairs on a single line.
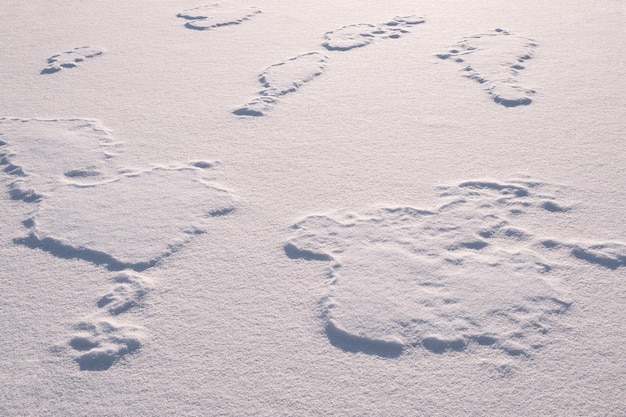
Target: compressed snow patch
[[457, 278], [362, 34]]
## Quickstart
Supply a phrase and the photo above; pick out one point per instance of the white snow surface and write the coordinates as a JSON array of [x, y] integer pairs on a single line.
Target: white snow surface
[[418, 211]]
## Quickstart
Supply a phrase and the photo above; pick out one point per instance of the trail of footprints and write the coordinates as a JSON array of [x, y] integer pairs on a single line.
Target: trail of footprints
[[288, 76], [466, 276], [101, 341], [493, 59], [462, 277], [362, 34], [85, 207], [217, 15]]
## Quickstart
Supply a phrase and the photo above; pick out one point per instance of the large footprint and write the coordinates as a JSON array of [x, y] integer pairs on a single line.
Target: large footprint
[[461, 277], [85, 207], [494, 59], [42, 155], [88, 208], [101, 343]]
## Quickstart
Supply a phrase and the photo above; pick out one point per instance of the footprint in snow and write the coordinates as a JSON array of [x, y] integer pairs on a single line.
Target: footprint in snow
[[85, 207], [610, 255], [71, 59], [130, 290], [495, 60], [217, 15], [463, 277]]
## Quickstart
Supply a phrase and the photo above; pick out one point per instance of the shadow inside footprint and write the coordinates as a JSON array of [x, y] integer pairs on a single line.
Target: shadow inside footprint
[[293, 252], [439, 346], [102, 344], [101, 360], [354, 344]]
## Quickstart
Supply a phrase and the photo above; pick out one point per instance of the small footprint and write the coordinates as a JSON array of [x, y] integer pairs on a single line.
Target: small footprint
[[494, 60], [217, 15], [71, 59], [462, 277], [362, 34], [99, 344], [129, 291], [283, 78]]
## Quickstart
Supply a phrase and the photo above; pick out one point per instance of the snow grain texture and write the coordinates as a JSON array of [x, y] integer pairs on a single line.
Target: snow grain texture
[[463, 277], [495, 59]]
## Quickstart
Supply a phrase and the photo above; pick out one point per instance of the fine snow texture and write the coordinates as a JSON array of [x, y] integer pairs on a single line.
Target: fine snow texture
[[289, 75], [217, 15], [71, 59], [461, 277], [494, 59]]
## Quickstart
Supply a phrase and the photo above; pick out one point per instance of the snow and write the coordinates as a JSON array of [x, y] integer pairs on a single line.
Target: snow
[[410, 215], [447, 279]]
